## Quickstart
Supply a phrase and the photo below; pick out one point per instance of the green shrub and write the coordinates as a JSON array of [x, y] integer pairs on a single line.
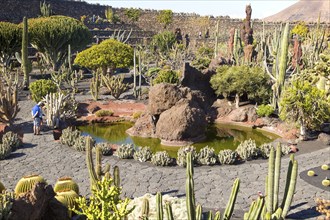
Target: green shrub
[[104, 112], [265, 110], [166, 75], [41, 88], [136, 115]]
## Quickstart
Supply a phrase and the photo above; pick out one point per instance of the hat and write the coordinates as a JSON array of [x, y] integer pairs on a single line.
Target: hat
[[41, 103]]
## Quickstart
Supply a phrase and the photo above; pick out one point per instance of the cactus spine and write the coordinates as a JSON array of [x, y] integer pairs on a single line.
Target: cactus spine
[[26, 65], [159, 206], [190, 195]]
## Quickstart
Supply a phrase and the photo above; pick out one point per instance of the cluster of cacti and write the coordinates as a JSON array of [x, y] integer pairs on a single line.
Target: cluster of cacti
[[181, 159], [45, 9], [105, 148], [95, 84], [125, 151], [264, 149], [69, 136], [5, 150], [270, 207], [8, 101], [143, 154], [247, 150], [323, 207], [161, 158], [206, 156], [115, 85], [80, 143], [26, 183], [120, 36], [11, 139], [227, 156], [6, 203]]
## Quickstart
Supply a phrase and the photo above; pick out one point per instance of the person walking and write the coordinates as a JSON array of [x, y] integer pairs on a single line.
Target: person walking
[[37, 117]]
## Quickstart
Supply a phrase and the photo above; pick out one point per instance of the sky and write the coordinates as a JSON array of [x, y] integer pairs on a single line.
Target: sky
[[232, 8]]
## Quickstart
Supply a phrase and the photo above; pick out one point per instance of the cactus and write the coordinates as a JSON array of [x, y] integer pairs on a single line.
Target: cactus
[[80, 143], [26, 64], [6, 203], [145, 209], [26, 183], [2, 187], [182, 155], [255, 209], [143, 154], [68, 199], [206, 156], [8, 101], [125, 151], [227, 156], [11, 139], [95, 84], [5, 150], [310, 173], [161, 158], [324, 167], [169, 213], [115, 85], [190, 194], [247, 150], [265, 149], [45, 9], [69, 136], [159, 206], [232, 199], [66, 184], [199, 212], [326, 182], [105, 148]]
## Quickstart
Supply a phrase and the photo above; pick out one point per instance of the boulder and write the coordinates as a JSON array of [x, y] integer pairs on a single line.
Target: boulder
[[243, 114], [324, 138], [145, 126], [325, 128], [182, 122], [162, 97]]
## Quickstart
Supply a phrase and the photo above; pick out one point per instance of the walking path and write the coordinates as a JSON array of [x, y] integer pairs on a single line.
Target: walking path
[[42, 155]]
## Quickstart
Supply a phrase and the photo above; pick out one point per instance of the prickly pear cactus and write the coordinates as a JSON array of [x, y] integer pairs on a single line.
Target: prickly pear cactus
[[106, 149], [227, 156], [206, 156], [11, 139], [66, 184], [143, 154], [265, 149], [182, 155], [125, 151], [26, 183], [5, 150], [69, 136], [161, 158], [248, 150]]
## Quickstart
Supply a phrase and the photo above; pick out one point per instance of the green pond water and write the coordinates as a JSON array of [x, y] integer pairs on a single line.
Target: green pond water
[[219, 136]]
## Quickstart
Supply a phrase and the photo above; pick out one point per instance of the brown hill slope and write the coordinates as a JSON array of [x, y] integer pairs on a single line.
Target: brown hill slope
[[304, 10]]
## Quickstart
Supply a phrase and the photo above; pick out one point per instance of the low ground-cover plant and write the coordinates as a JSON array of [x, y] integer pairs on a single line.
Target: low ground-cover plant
[[104, 112]]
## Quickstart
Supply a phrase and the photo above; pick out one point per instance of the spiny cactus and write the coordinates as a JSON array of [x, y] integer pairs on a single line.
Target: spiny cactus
[[125, 151], [206, 156], [227, 156], [5, 150], [26, 183], [8, 101], [68, 199], [11, 139], [45, 9], [115, 85], [105, 148], [161, 158], [143, 154], [66, 184], [6, 203], [182, 155], [80, 143], [95, 84], [69, 136], [2, 187], [265, 149], [247, 150], [26, 64]]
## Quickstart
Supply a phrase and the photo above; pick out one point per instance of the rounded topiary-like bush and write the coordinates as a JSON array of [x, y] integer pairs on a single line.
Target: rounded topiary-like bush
[[40, 88], [265, 110]]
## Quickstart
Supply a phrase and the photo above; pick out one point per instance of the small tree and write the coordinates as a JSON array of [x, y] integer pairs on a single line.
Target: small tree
[[165, 17], [10, 41], [133, 14], [52, 35], [304, 103], [300, 29], [108, 54], [239, 80]]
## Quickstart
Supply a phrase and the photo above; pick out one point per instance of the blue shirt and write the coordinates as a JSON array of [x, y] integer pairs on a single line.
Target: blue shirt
[[36, 111]]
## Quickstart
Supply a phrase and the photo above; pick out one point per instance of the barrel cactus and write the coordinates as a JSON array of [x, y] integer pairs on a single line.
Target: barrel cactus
[[2, 187], [11, 139], [68, 199], [161, 158], [106, 149], [26, 183], [182, 155], [69, 136], [227, 156], [143, 154], [206, 156], [66, 184], [125, 151], [248, 150]]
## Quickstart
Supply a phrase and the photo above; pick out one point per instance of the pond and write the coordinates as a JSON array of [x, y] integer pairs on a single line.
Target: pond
[[219, 136]]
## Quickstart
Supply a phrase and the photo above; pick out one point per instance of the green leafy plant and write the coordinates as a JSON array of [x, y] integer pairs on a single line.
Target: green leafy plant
[[133, 14], [165, 17], [40, 88], [300, 29], [166, 75], [10, 41], [265, 110], [104, 112]]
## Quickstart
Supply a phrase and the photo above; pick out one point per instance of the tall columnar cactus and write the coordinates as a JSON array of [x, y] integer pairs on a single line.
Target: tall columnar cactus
[[145, 209], [95, 84], [190, 194], [26, 64], [169, 213], [159, 206]]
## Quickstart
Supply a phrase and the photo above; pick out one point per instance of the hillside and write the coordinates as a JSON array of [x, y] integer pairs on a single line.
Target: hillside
[[304, 10]]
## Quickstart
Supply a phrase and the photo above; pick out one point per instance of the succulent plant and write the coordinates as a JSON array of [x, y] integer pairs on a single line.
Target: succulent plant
[[80, 144], [125, 151], [66, 184], [68, 199], [227, 156], [182, 155], [26, 183], [324, 167], [2, 187], [106, 149], [206, 156], [326, 182], [11, 139], [5, 150], [6, 203], [161, 158], [248, 150], [311, 173], [69, 136], [143, 154], [264, 150]]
